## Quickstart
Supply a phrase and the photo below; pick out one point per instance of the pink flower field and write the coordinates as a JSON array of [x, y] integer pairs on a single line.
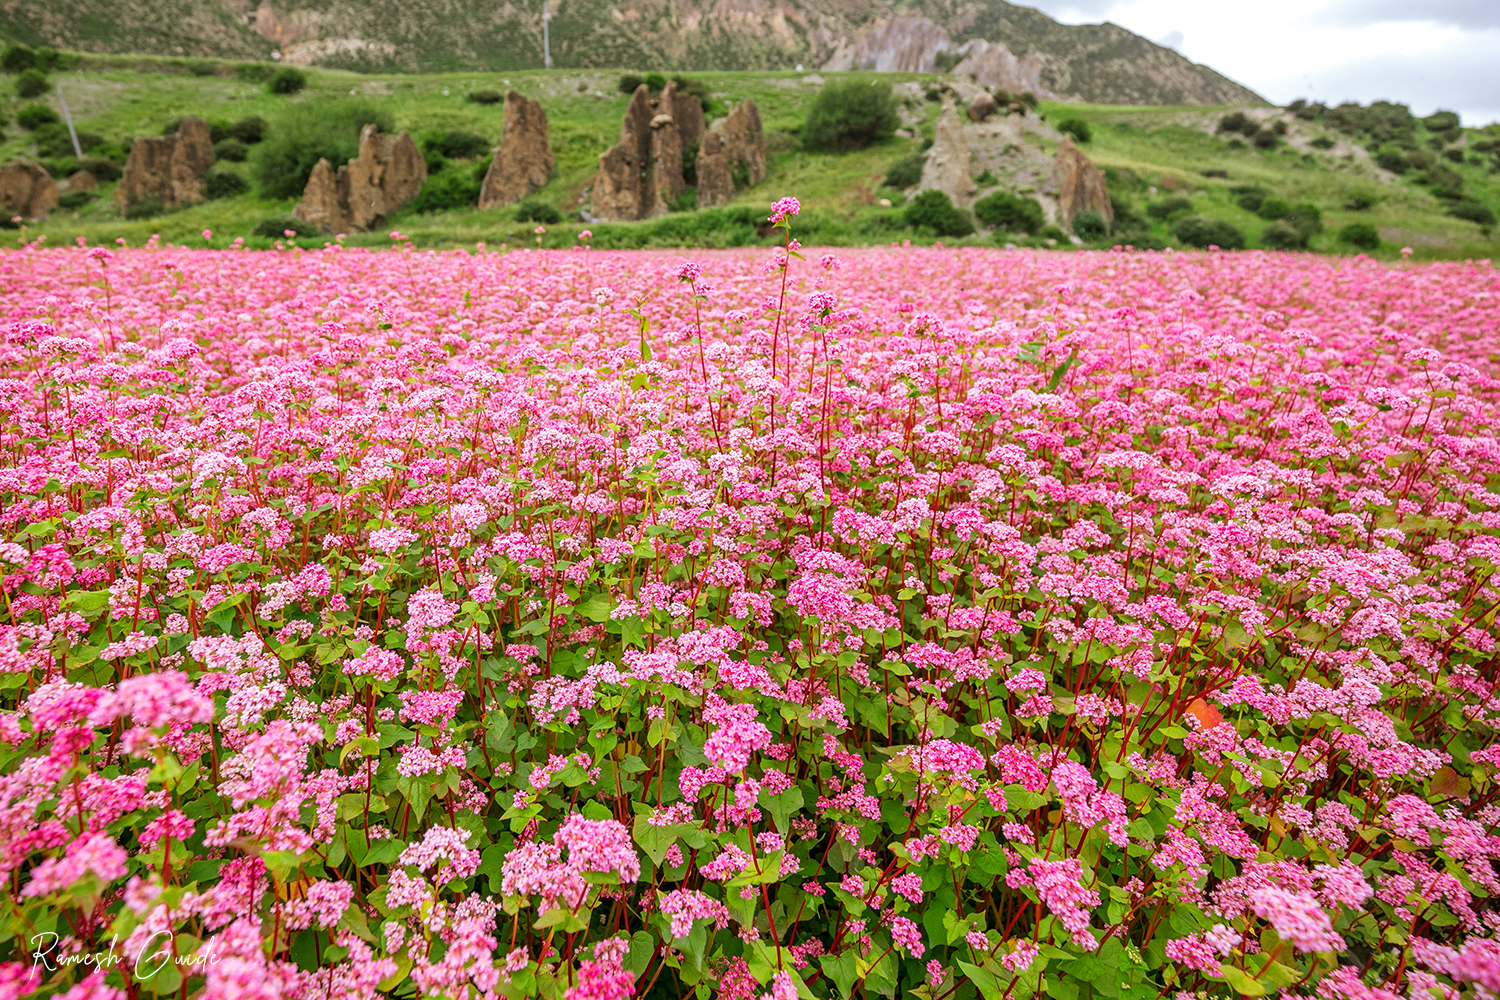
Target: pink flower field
[[753, 625]]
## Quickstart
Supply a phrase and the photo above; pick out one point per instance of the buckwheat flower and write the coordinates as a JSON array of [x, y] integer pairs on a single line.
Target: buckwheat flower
[[1195, 953], [98, 855], [1019, 959], [1058, 883], [1297, 918], [602, 846], [173, 824], [684, 906], [689, 271], [905, 935], [908, 886], [391, 540], [784, 208]]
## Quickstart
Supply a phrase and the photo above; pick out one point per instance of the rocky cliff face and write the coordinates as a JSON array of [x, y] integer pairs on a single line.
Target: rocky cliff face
[[387, 174], [1002, 45], [523, 160], [168, 168]]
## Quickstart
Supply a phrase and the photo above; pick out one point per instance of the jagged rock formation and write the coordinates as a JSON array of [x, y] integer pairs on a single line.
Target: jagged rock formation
[[168, 168], [1080, 185], [982, 107], [624, 179], [947, 167], [687, 112], [387, 174], [735, 145], [26, 190], [523, 160], [1101, 63]]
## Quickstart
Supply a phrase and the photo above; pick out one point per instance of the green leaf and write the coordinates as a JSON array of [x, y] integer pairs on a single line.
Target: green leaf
[[365, 746], [596, 608], [841, 971], [86, 602], [1241, 981], [782, 806], [1061, 370], [638, 958], [984, 980]]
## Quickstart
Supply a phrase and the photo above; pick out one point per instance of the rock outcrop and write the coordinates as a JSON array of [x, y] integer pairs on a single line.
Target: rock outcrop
[[993, 66], [947, 167], [982, 107], [523, 160], [893, 45], [26, 190], [687, 112], [168, 168], [386, 175], [622, 189], [735, 146], [82, 180], [1080, 185]]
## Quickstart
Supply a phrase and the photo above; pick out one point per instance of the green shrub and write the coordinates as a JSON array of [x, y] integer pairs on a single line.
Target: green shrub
[[54, 140], [1009, 213], [1251, 201], [1360, 201], [1393, 158], [254, 72], [1077, 128], [144, 209], [1053, 233], [485, 97], [1169, 207], [1200, 232], [1473, 211], [537, 211], [15, 58], [35, 116], [850, 115], [1454, 155], [934, 210], [1441, 121], [696, 88], [288, 81], [459, 145], [249, 130], [629, 83], [904, 172], [276, 226], [232, 150], [1360, 234], [104, 170], [1238, 122], [1283, 236], [1323, 142], [986, 178], [1305, 218], [449, 189], [223, 184], [59, 166], [1266, 139], [202, 67], [32, 83], [304, 132], [1273, 208], [1090, 225], [654, 82], [75, 199]]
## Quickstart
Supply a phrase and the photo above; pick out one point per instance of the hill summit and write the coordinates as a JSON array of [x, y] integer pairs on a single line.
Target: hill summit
[[1002, 45]]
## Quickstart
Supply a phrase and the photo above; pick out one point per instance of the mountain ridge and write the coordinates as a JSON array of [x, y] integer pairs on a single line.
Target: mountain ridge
[[1013, 46]]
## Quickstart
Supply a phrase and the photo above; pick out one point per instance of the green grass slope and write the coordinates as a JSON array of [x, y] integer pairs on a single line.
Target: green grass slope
[[1173, 150]]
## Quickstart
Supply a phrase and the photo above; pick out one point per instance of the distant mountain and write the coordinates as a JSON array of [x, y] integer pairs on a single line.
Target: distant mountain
[[1001, 44]]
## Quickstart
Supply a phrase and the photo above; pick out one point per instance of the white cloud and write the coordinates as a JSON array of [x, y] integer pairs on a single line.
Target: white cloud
[[1432, 55]]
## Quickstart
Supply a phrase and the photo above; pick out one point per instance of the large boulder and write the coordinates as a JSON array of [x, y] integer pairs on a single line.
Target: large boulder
[[947, 167], [523, 160], [168, 168], [385, 176], [1080, 185], [982, 107], [26, 190], [715, 182], [623, 187]]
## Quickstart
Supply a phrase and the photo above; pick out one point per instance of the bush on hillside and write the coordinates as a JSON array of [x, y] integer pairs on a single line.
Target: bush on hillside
[[32, 83], [1090, 225], [1077, 128], [1473, 211], [655, 82], [288, 81], [254, 72], [54, 140], [904, 172], [1282, 236], [697, 88], [485, 97], [1360, 201], [15, 58], [104, 170], [1169, 207], [1323, 142], [1200, 232], [1272, 209], [850, 115], [447, 190], [1305, 218], [305, 132], [1360, 234], [276, 227], [231, 150], [223, 184], [1010, 213], [1393, 158], [459, 145], [1266, 139], [1251, 200], [934, 210], [1238, 123], [35, 116], [75, 199], [249, 130], [629, 83], [146, 208], [537, 211]]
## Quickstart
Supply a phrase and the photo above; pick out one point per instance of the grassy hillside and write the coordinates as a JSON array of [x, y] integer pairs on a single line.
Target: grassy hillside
[[1099, 62], [1176, 151]]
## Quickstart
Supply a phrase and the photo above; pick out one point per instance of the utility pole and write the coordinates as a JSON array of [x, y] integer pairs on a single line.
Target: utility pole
[[72, 132], [546, 41]]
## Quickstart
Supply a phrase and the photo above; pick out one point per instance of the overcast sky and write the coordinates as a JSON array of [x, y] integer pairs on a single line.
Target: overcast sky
[[1430, 54]]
